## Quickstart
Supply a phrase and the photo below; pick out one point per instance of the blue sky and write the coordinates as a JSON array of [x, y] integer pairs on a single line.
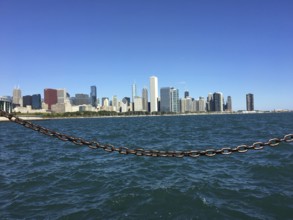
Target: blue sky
[[232, 46]]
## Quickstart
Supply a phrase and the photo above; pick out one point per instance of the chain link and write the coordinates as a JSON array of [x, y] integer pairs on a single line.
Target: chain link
[[142, 152]]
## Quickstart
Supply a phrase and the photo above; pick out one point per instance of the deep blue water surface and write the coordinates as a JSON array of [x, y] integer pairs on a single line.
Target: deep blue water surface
[[45, 178]]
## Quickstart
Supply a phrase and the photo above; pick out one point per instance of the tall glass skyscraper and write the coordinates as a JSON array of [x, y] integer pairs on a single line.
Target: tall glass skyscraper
[[218, 101], [210, 103], [145, 101], [169, 100], [249, 102], [165, 101], [27, 100], [94, 96], [134, 91], [229, 104], [154, 93], [36, 101]]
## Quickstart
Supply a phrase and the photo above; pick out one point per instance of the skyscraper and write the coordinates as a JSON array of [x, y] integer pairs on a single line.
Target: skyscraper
[[17, 99], [210, 104], [81, 99], [36, 101], [229, 104], [201, 104], [145, 99], [105, 102], [61, 96], [154, 93], [115, 103], [186, 94], [249, 102], [165, 100], [175, 104], [134, 91], [50, 97], [195, 105], [218, 101], [124, 104], [137, 104], [27, 100], [169, 100], [126, 100], [94, 96], [186, 105]]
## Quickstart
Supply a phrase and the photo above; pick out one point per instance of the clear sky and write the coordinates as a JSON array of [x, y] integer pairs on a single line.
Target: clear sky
[[232, 46]]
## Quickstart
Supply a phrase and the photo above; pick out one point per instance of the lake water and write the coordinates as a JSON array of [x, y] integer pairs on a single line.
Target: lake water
[[44, 178]]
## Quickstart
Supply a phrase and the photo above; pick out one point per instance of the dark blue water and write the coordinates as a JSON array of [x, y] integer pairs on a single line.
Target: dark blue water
[[45, 178]]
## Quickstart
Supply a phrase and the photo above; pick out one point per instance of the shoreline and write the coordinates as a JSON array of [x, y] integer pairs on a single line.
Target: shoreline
[[40, 118], [29, 118]]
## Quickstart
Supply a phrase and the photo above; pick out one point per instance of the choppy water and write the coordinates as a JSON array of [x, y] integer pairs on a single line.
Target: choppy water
[[45, 178]]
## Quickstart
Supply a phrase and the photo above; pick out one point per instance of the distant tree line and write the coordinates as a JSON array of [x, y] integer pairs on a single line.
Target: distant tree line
[[97, 114]]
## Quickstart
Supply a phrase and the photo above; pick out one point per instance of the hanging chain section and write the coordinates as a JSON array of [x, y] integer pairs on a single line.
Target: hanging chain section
[[143, 152]]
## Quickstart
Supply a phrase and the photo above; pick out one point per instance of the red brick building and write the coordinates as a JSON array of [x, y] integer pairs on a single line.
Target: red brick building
[[50, 97]]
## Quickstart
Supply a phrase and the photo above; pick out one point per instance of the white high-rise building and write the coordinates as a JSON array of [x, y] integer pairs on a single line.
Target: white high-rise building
[[63, 102], [138, 103], [195, 105], [134, 91], [201, 104], [17, 98], [106, 102], [115, 103], [61, 96], [186, 105], [124, 105], [154, 93], [175, 104]]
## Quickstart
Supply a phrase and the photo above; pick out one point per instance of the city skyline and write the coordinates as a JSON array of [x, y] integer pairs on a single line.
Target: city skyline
[[59, 101], [168, 100], [220, 102], [236, 47]]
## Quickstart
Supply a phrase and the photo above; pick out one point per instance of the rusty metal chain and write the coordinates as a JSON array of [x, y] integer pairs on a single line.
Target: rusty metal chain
[[143, 152]]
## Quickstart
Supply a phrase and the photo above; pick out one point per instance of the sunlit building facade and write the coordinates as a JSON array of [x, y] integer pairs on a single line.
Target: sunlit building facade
[[175, 104], [17, 98], [154, 93]]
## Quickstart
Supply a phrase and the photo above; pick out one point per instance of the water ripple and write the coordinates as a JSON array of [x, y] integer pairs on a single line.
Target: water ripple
[[41, 177]]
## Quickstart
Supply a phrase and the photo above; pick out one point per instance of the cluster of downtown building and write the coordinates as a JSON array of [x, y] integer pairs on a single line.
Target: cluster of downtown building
[[59, 101]]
